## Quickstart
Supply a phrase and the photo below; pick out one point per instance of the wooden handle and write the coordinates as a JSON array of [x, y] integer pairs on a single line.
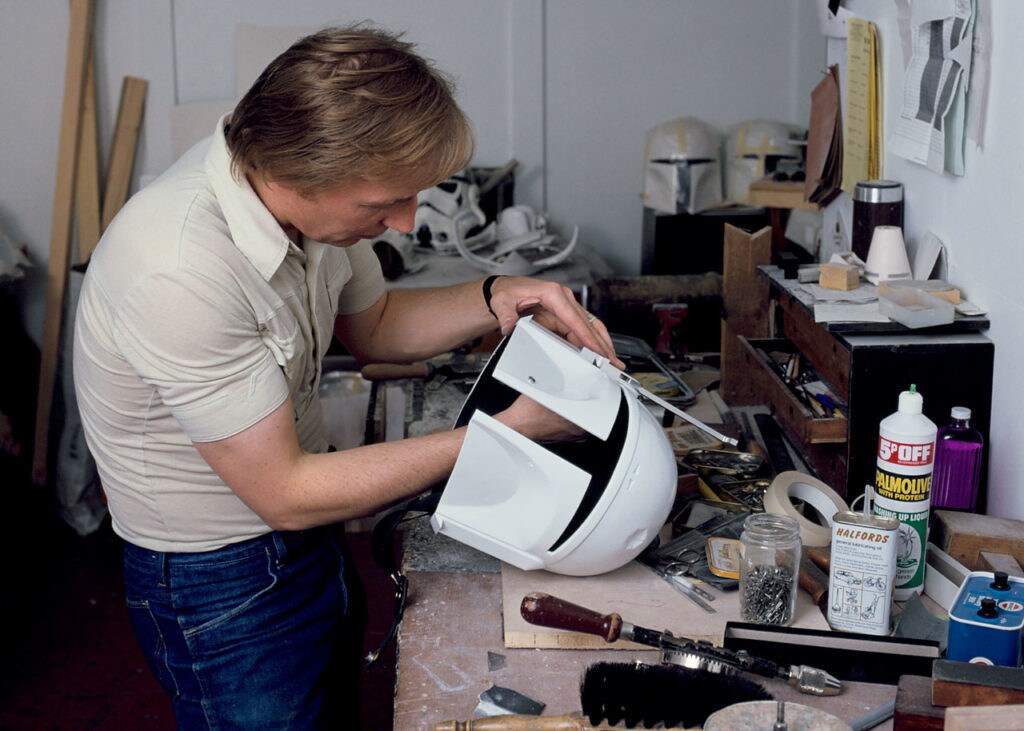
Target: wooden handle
[[549, 611], [813, 580], [395, 371], [572, 722]]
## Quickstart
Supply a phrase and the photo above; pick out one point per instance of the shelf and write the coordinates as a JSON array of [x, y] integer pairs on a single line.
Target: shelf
[[772, 194]]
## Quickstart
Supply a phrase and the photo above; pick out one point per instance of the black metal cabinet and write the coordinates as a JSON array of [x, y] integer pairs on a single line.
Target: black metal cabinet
[[950, 366]]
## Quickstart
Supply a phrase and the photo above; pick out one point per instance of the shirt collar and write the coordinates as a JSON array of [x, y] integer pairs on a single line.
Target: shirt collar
[[254, 230]]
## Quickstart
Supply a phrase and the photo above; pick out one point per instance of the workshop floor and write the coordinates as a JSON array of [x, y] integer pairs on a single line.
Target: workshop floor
[[68, 659]]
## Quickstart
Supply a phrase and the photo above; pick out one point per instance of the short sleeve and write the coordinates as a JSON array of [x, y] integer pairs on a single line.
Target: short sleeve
[[201, 346]]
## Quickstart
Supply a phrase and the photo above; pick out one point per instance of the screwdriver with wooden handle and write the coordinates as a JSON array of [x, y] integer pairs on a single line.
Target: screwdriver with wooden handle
[[548, 611]]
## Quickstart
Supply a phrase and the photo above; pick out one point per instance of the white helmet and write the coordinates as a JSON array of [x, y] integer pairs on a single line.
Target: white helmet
[[448, 212], [576, 508], [746, 148], [682, 167]]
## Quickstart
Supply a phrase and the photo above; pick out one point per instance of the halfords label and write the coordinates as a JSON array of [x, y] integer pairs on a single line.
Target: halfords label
[[906, 455], [862, 573], [901, 487]]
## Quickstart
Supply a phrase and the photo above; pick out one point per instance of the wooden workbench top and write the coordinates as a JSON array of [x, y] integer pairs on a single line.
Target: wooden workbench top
[[453, 628]]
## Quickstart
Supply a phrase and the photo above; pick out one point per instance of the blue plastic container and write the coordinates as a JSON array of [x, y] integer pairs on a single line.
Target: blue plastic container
[[986, 618]]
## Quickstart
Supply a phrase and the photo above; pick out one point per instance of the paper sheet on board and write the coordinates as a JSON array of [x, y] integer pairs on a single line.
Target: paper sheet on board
[[930, 126]]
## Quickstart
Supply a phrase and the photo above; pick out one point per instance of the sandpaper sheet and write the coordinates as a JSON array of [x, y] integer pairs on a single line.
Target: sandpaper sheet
[[634, 592]]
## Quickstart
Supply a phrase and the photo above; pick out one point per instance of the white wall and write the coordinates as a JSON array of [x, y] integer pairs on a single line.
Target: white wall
[[567, 87]]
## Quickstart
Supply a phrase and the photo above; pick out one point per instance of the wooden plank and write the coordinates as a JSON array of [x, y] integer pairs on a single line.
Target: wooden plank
[[973, 684], [990, 718], [122, 152], [965, 535], [745, 302], [87, 182], [773, 194], [634, 592], [80, 30], [914, 710]]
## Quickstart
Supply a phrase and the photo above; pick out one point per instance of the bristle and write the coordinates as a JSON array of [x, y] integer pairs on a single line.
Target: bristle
[[640, 695]]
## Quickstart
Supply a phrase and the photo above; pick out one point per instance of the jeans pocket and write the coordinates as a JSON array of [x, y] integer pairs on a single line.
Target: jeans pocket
[[151, 639], [224, 593]]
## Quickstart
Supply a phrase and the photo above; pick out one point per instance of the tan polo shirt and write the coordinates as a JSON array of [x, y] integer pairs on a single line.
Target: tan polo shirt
[[196, 319]]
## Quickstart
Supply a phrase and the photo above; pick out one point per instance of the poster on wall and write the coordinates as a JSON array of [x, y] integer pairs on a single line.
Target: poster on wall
[[930, 128]]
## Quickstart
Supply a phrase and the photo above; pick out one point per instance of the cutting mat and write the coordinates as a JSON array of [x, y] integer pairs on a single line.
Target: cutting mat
[[634, 592]]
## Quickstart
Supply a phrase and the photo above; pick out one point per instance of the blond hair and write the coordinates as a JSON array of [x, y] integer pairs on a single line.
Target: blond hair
[[349, 104]]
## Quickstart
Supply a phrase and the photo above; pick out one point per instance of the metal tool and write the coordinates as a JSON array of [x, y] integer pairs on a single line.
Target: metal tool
[[548, 611], [631, 347], [687, 588]]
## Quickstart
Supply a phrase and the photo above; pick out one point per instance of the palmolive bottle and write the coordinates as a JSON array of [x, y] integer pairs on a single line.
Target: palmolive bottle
[[903, 477]]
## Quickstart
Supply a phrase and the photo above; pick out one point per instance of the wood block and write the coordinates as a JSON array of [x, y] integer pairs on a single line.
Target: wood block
[[839, 276], [990, 718], [965, 535], [972, 684], [914, 709], [744, 299], [991, 561], [638, 595]]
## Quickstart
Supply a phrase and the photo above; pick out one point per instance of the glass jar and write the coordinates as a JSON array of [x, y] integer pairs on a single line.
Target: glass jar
[[769, 568]]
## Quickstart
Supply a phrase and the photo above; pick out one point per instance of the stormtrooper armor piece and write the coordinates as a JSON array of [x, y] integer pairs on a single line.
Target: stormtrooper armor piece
[[448, 213]]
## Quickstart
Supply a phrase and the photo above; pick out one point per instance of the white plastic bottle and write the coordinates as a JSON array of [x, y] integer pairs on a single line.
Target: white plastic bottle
[[903, 476]]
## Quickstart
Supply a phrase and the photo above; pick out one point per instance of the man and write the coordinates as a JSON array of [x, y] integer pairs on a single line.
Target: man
[[204, 316]]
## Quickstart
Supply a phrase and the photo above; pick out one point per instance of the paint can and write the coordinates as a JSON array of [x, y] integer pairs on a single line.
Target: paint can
[[861, 572]]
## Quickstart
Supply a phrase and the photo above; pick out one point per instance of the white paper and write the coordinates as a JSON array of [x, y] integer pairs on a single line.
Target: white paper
[[867, 312], [863, 293], [929, 129]]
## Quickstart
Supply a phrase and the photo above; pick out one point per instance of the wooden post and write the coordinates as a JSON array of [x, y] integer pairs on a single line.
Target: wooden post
[[87, 183], [60, 236], [122, 152]]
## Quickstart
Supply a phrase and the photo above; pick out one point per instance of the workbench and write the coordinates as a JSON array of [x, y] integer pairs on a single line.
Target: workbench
[[452, 642], [451, 646]]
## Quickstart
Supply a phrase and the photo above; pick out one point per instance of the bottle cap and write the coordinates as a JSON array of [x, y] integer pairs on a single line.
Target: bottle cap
[[960, 412], [911, 402]]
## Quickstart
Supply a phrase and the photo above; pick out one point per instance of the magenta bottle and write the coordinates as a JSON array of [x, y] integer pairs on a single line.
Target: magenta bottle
[[958, 449]]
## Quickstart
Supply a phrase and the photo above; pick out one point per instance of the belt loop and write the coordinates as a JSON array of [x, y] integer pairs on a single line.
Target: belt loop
[[165, 569], [280, 547]]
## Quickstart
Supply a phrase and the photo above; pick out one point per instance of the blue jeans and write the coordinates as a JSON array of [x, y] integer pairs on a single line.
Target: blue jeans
[[248, 636]]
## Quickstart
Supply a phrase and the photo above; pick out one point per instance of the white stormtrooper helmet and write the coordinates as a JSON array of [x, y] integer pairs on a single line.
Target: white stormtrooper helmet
[[746, 148], [682, 167], [575, 508], [448, 211]]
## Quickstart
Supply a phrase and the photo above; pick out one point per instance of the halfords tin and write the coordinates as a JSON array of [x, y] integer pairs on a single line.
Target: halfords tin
[[986, 618], [861, 572]]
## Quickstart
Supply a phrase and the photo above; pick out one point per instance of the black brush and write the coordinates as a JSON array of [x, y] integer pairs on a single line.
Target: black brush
[[642, 695], [635, 695]]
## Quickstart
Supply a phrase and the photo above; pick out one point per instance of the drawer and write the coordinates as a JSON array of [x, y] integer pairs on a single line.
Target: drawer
[[828, 355], [798, 419]]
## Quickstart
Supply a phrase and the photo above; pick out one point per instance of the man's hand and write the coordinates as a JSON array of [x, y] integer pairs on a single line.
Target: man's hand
[[555, 307]]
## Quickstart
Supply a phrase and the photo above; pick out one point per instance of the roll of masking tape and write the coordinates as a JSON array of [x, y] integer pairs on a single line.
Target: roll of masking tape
[[793, 485]]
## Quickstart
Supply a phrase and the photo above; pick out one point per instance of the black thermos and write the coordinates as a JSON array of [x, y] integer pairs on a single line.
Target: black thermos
[[875, 203]]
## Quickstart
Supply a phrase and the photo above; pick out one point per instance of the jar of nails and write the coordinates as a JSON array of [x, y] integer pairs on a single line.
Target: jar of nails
[[769, 569]]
